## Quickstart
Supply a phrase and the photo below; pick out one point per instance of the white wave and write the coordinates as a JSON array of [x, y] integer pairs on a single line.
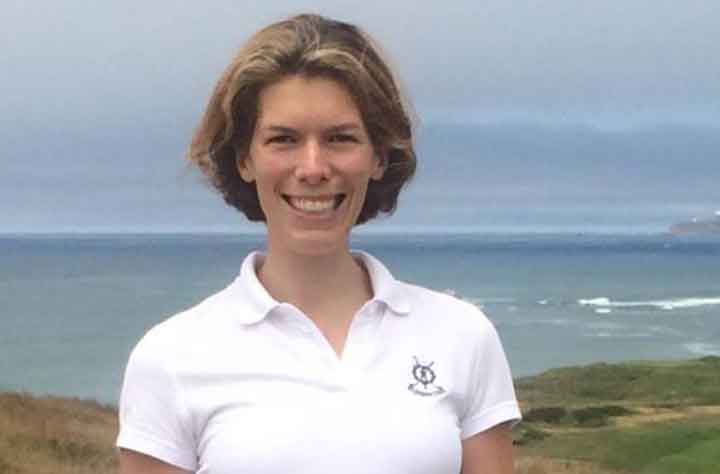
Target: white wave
[[603, 310], [605, 302], [619, 335], [703, 349], [543, 302]]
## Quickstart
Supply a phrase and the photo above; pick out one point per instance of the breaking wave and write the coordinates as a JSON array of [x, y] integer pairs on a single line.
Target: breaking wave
[[607, 303]]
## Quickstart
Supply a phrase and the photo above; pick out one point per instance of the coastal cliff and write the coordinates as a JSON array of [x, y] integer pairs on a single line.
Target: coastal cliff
[[698, 226]]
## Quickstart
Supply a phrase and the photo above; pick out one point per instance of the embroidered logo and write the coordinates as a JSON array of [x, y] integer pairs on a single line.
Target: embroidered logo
[[424, 380]]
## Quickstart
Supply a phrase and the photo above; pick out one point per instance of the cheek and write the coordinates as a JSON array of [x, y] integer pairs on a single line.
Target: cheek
[[269, 171], [361, 169]]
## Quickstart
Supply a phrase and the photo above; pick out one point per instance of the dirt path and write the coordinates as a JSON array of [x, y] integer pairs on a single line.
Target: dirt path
[[655, 415], [644, 415]]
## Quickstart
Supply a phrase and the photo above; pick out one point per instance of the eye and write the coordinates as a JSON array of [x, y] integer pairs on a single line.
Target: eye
[[343, 138], [280, 140]]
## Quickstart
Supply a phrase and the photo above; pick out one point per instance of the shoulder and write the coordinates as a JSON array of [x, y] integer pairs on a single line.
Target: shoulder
[[440, 307], [430, 312], [447, 323], [180, 333]]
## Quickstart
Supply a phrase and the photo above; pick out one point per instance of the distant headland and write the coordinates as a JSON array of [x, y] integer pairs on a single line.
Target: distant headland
[[698, 226]]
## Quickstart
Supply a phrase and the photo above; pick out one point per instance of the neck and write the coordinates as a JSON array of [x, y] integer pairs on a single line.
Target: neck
[[318, 285]]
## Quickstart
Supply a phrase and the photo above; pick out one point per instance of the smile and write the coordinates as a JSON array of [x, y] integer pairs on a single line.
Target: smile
[[315, 204]]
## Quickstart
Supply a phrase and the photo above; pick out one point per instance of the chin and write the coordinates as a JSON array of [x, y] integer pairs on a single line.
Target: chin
[[319, 243]]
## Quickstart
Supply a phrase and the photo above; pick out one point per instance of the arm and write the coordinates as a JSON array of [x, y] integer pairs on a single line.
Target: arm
[[155, 434], [489, 452], [132, 462]]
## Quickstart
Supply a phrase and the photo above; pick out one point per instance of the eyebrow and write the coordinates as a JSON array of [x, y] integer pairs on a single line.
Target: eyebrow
[[343, 127], [277, 128]]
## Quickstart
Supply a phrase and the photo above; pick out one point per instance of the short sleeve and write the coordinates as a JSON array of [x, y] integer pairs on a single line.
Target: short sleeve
[[153, 418], [491, 399]]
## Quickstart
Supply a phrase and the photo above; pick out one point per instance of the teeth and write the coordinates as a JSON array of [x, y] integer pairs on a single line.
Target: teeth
[[312, 205]]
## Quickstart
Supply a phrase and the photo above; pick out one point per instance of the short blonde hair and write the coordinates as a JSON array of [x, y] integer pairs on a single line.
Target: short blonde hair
[[308, 45]]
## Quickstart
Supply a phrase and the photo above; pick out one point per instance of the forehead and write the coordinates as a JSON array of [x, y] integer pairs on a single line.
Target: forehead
[[301, 100]]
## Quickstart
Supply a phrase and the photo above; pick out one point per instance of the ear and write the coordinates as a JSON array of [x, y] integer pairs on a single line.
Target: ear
[[245, 168], [381, 162]]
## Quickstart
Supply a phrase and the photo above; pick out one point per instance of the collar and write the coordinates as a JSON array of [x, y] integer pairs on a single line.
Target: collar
[[247, 290]]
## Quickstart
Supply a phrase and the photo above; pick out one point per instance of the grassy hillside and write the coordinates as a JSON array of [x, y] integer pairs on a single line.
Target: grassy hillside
[[641, 417], [693, 382], [636, 417], [55, 436]]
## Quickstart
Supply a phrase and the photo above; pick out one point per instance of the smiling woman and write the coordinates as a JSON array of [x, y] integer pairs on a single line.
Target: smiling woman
[[315, 359]]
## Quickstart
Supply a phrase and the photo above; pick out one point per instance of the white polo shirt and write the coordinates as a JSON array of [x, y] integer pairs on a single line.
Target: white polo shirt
[[241, 383]]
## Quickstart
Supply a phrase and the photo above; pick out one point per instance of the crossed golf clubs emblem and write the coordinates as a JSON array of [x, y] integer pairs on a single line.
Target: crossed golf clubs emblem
[[424, 377]]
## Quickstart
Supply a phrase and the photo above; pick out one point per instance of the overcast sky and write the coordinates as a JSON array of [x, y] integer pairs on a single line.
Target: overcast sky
[[99, 100]]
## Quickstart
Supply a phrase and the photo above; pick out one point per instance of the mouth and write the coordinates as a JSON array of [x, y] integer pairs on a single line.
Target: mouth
[[315, 204]]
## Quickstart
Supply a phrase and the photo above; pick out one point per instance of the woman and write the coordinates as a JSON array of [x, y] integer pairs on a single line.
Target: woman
[[315, 359]]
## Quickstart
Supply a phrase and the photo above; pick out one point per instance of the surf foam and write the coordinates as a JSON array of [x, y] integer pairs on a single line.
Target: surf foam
[[604, 302]]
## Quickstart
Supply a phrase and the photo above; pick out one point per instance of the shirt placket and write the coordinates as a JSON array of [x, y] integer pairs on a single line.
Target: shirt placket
[[346, 370]]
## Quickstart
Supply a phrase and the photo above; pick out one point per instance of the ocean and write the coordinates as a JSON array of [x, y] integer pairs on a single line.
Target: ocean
[[73, 306]]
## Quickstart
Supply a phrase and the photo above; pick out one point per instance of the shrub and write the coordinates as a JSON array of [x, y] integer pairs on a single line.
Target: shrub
[[545, 414], [616, 410], [591, 416]]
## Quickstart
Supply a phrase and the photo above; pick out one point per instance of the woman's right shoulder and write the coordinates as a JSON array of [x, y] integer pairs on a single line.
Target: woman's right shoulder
[[182, 330]]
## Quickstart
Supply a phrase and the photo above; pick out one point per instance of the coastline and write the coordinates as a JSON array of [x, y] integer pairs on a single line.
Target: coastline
[[648, 417]]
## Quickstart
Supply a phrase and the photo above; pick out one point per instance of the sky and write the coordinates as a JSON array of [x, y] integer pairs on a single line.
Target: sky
[[532, 115]]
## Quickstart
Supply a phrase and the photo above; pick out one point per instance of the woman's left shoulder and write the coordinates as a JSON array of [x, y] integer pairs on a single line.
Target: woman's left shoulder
[[445, 306]]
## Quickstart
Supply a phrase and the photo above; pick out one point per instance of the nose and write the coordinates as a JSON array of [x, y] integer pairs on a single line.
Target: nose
[[312, 165]]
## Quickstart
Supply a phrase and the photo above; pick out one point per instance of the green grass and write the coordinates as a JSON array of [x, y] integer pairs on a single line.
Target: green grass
[[677, 447], [702, 458], [577, 404]]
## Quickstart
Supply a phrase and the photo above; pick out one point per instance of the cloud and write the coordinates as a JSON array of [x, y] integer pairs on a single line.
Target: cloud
[[560, 57], [106, 94]]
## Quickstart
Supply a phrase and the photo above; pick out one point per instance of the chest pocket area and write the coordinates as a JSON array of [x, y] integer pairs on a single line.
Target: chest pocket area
[[419, 433]]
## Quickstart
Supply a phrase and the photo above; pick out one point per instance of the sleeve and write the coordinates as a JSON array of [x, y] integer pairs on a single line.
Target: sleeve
[[153, 419], [491, 399]]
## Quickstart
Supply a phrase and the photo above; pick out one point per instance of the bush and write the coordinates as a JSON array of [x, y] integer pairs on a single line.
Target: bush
[[616, 410], [550, 415], [591, 417]]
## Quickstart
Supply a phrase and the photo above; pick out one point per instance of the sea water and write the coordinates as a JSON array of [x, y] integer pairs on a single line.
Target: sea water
[[73, 306]]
